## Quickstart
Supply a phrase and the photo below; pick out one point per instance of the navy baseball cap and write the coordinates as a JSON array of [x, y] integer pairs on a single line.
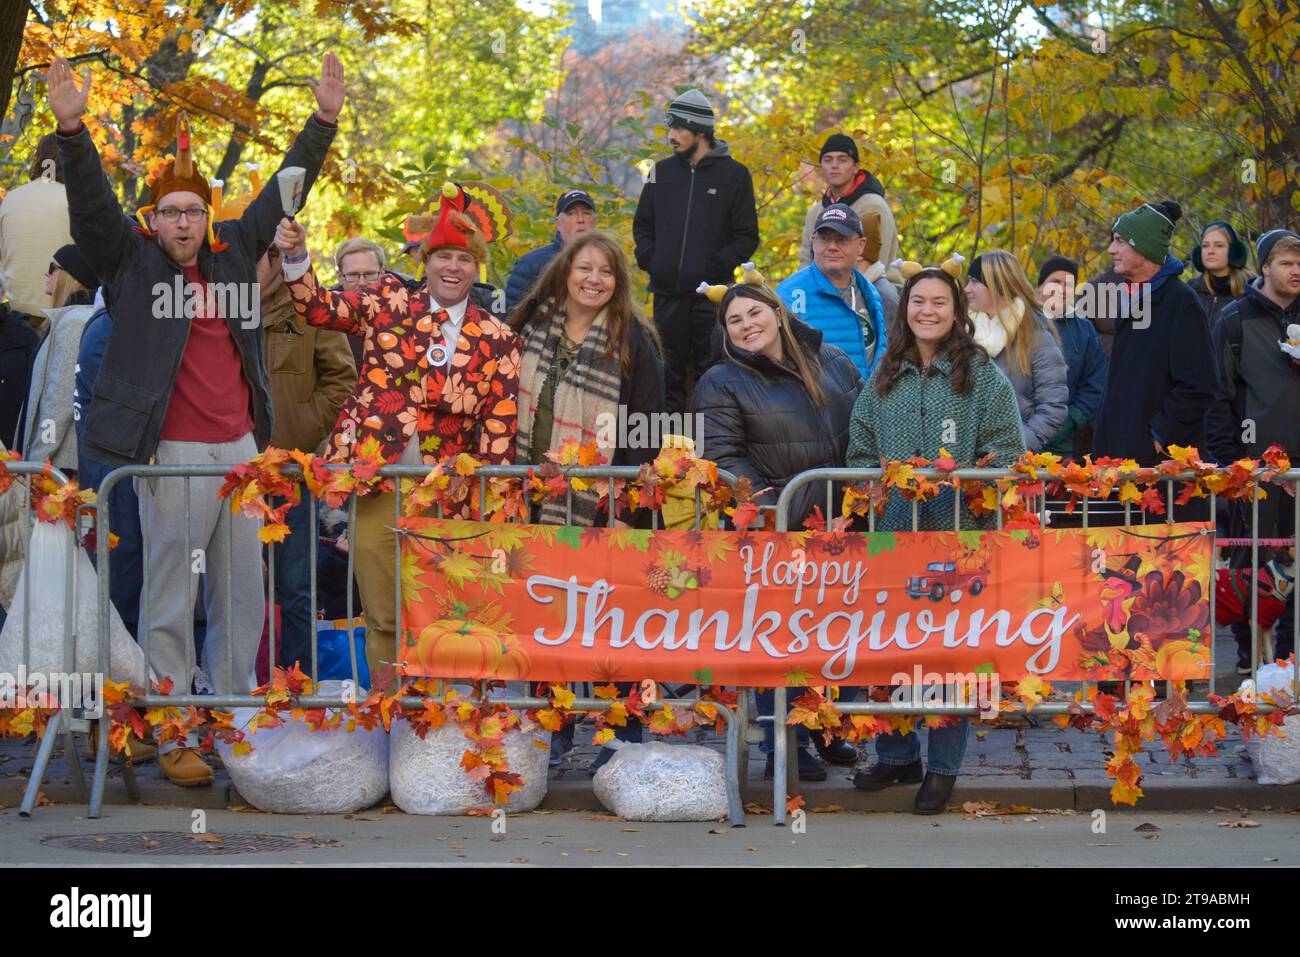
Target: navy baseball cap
[[567, 199], [840, 218]]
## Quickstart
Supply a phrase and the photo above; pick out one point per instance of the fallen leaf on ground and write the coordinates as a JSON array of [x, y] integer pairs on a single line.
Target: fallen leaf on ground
[[1146, 826], [1239, 823], [602, 817]]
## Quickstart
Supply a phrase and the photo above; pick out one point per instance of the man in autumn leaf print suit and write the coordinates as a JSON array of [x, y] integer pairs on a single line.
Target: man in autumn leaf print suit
[[438, 377]]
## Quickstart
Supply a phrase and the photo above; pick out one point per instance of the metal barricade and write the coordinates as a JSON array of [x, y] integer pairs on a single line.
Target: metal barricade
[[735, 719], [785, 775], [63, 722]]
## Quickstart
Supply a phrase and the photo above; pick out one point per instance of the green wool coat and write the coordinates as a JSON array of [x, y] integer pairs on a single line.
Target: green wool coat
[[921, 415]]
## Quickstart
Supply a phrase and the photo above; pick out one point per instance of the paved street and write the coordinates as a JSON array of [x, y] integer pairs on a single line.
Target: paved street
[[581, 838]]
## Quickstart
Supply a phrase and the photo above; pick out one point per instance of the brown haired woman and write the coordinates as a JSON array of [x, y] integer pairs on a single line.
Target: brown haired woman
[[778, 404], [587, 350], [935, 388]]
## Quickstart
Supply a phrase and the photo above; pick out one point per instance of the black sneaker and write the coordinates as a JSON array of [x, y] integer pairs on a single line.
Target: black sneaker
[[881, 776], [1243, 662]]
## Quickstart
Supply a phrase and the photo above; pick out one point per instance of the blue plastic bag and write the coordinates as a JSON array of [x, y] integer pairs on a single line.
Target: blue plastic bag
[[332, 659]]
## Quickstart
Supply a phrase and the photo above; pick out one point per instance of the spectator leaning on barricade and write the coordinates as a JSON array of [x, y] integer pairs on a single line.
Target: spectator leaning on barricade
[[575, 212], [587, 354], [695, 222], [934, 389], [48, 431], [311, 372], [833, 297], [1011, 328], [1085, 360], [438, 377], [1220, 258], [1162, 376], [33, 224], [857, 188], [181, 383], [126, 569], [1258, 402], [776, 405]]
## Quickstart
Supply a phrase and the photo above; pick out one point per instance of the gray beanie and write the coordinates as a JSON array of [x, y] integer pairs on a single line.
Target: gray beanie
[[693, 111]]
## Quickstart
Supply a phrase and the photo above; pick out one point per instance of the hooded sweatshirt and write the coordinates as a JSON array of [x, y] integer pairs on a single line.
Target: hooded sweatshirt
[[865, 194]]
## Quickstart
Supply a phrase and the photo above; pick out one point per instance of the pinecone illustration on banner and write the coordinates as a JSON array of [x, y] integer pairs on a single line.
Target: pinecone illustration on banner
[[658, 578]]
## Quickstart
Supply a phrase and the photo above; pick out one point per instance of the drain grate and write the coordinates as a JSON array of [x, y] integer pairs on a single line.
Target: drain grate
[[181, 842]]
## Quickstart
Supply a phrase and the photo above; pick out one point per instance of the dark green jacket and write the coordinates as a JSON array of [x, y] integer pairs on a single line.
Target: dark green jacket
[[921, 415]]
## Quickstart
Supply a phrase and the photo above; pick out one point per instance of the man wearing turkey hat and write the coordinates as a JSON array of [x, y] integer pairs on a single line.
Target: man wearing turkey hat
[[438, 374], [183, 383]]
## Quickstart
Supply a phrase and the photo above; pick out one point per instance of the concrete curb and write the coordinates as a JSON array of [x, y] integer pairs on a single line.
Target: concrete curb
[[575, 793]]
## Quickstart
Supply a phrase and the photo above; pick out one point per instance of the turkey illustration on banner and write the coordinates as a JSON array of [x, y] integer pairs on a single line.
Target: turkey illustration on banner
[[802, 608]]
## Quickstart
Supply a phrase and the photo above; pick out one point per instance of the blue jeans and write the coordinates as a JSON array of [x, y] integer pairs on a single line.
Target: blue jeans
[[293, 559], [126, 562], [946, 749], [766, 698]]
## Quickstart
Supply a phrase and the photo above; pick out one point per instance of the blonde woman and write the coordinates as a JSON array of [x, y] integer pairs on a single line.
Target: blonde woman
[[1011, 328], [1221, 259]]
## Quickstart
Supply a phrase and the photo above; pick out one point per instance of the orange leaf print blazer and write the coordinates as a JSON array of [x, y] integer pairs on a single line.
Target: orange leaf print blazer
[[468, 406]]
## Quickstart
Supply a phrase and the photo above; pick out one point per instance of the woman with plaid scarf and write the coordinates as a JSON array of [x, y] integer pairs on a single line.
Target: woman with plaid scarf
[[587, 350]]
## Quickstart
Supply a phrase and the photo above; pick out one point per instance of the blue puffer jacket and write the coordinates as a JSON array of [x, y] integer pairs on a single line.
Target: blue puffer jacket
[[809, 296], [527, 268]]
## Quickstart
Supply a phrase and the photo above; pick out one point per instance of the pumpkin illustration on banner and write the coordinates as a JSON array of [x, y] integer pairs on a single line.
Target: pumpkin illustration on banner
[[466, 643]]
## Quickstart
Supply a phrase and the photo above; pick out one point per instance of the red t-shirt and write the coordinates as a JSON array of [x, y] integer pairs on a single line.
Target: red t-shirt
[[210, 400]]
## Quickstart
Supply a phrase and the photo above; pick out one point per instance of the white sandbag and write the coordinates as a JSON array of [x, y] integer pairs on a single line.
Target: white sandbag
[[664, 782], [295, 770], [1276, 760], [425, 777], [47, 571]]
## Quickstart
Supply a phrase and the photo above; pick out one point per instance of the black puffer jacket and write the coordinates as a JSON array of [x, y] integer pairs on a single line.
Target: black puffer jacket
[[760, 422]]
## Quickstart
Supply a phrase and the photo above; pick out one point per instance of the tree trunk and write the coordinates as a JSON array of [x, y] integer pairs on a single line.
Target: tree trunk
[[13, 17]]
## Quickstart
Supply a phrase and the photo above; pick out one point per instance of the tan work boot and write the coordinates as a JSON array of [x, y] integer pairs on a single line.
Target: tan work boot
[[136, 751], [185, 768]]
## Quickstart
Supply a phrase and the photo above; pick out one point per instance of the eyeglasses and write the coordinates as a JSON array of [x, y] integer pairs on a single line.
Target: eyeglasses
[[171, 214], [360, 276]]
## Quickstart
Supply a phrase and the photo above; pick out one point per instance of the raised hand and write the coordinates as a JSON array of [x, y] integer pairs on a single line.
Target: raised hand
[[330, 90], [67, 101], [291, 237]]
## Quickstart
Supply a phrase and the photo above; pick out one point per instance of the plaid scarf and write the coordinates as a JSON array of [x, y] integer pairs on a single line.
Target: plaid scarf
[[586, 390]]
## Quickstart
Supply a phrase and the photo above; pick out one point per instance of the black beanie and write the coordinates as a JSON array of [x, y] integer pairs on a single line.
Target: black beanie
[[976, 271], [840, 143], [74, 264], [1057, 264]]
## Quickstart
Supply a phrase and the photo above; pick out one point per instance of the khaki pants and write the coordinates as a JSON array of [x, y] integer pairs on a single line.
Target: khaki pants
[[374, 566]]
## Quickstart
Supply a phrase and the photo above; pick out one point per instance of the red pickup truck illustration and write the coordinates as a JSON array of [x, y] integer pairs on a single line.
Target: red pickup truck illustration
[[939, 578]]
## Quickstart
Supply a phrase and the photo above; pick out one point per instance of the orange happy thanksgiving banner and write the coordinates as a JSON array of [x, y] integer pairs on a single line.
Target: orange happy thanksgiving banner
[[551, 603]]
